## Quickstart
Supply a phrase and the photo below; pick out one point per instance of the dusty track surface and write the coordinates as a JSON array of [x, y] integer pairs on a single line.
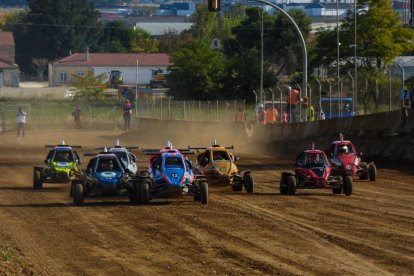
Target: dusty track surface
[[315, 232]]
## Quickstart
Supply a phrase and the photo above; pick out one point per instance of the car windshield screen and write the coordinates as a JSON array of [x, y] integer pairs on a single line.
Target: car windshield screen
[[63, 156], [121, 156], [220, 155], [107, 165], [173, 162], [315, 160]]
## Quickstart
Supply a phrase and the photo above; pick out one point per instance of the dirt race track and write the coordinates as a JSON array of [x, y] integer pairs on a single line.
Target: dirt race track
[[313, 233]]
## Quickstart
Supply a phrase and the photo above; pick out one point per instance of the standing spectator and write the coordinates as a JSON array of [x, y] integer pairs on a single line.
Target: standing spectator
[[261, 115], [271, 115], [240, 116], [77, 115], [127, 107], [21, 121], [293, 99]]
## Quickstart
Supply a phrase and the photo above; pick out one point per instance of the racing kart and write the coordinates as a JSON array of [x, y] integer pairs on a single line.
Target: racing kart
[[218, 165], [346, 160], [170, 174], [125, 155], [62, 166], [105, 176], [313, 171]]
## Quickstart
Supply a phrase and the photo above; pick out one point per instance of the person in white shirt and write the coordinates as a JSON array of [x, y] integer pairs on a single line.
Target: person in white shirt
[[21, 121]]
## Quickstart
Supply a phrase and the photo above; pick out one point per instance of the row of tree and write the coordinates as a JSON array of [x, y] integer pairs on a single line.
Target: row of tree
[[228, 68]]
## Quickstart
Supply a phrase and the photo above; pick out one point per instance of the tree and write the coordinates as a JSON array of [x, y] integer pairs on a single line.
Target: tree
[[197, 73], [143, 43], [117, 37], [380, 38], [39, 65], [52, 28], [243, 75], [172, 42], [89, 87], [282, 46]]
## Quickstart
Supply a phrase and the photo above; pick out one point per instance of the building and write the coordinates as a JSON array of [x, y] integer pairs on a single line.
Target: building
[[177, 9], [123, 64], [9, 71]]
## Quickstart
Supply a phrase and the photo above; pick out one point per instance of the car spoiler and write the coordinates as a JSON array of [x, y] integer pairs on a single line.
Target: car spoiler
[[201, 148], [54, 146], [158, 151], [114, 147]]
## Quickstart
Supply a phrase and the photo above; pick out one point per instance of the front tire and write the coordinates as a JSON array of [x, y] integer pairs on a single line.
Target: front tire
[[284, 184], [37, 180], [372, 172], [347, 188], [248, 183], [144, 193], [78, 197], [291, 185], [203, 192]]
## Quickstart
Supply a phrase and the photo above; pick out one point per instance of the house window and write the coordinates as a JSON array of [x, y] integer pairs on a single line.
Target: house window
[[80, 73], [63, 76]]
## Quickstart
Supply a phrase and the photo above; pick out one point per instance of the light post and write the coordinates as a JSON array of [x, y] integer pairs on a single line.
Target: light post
[[303, 44], [261, 53], [320, 96], [340, 96], [390, 82], [337, 49], [136, 92], [355, 80], [353, 93], [309, 102]]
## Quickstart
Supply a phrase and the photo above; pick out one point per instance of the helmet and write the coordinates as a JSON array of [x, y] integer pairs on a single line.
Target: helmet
[[260, 106], [289, 87], [345, 149]]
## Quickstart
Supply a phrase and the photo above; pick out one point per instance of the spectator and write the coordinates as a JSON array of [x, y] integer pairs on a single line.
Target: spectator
[[240, 116], [77, 115], [292, 99], [21, 121], [261, 115], [271, 115], [127, 107]]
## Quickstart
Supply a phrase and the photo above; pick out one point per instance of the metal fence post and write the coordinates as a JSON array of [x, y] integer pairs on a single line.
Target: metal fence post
[[90, 117], [330, 98]]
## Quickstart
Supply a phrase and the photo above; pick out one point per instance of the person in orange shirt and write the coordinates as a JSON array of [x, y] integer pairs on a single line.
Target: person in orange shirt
[[271, 115], [240, 116], [292, 99]]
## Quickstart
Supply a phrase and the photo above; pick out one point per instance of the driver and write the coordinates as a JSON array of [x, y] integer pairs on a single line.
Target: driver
[[108, 165], [218, 156], [343, 150]]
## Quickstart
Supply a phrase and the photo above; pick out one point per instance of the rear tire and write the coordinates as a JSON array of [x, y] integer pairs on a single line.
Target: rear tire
[[364, 174], [203, 192], [37, 180], [145, 193], [372, 172], [291, 185], [78, 197], [248, 183], [347, 188]]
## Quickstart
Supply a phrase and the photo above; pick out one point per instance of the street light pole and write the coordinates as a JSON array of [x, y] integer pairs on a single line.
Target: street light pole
[[261, 54], [355, 95], [337, 51], [353, 92], [136, 92]]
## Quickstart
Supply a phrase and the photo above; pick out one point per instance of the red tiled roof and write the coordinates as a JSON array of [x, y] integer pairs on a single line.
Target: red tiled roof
[[117, 59], [6, 65], [6, 38]]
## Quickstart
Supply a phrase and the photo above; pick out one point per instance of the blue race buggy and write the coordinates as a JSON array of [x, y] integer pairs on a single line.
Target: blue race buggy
[[105, 176], [170, 174]]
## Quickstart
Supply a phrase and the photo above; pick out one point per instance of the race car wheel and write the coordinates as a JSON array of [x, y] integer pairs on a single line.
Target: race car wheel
[[145, 193], [291, 185], [248, 183], [203, 192], [37, 180], [372, 172], [284, 184], [78, 197], [364, 174], [347, 188]]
